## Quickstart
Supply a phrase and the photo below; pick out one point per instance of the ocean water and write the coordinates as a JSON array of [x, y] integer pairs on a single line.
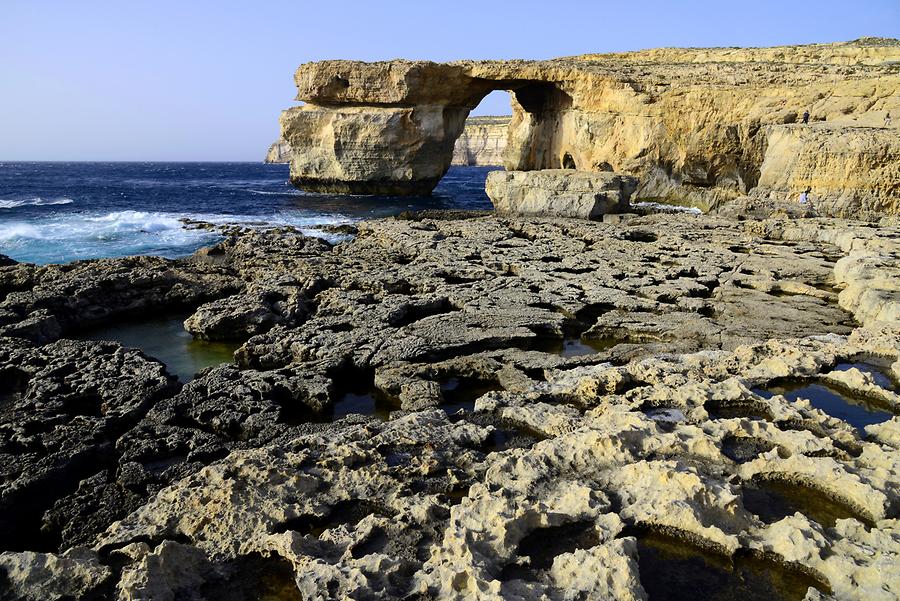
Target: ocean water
[[60, 212]]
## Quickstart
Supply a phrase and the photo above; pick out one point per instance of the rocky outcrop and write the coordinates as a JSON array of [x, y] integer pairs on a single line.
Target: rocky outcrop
[[852, 171], [482, 142], [464, 407], [705, 126], [559, 193], [279, 152]]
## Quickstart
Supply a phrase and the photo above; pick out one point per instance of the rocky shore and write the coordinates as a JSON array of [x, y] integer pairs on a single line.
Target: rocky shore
[[455, 406]]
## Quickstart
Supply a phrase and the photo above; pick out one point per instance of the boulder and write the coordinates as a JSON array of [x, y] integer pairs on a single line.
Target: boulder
[[559, 192]]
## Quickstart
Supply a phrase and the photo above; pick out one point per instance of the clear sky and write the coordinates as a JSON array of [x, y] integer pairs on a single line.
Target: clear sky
[[206, 80]]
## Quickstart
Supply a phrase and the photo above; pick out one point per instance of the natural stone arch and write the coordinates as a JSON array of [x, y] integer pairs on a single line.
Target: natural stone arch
[[701, 127], [390, 128]]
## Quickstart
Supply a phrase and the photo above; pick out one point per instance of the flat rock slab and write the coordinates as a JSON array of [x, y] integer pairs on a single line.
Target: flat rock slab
[[559, 192]]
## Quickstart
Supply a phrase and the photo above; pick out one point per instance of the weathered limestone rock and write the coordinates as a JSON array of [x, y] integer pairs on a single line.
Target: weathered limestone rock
[[355, 150], [453, 407], [704, 125], [559, 193], [32, 576], [483, 141], [853, 171], [279, 152]]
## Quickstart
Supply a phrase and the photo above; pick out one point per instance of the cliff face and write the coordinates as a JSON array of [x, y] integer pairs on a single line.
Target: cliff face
[[279, 152], [482, 142], [698, 125]]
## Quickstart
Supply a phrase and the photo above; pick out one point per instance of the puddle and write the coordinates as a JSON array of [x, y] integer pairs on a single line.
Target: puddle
[[742, 449], [462, 392], [773, 500], [665, 417], [879, 373], [165, 338], [512, 438], [672, 570], [573, 347], [857, 412], [373, 402], [253, 577], [543, 545]]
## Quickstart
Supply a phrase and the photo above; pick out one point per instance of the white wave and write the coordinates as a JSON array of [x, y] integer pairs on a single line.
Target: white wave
[[284, 193], [37, 201], [68, 236], [19, 230]]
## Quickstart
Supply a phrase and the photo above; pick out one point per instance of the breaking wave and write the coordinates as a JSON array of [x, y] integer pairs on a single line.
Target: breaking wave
[[72, 236], [33, 202]]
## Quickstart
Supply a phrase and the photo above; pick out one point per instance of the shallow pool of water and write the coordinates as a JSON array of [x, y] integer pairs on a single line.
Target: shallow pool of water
[[462, 392], [165, 338], [672, 570], [879, 373], [574, 346], [371, 402], [773, 500], [855, 411]]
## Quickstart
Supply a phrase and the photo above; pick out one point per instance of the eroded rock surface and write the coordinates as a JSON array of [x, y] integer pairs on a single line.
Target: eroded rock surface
[[542, 400], [482, 143], [559, 193]]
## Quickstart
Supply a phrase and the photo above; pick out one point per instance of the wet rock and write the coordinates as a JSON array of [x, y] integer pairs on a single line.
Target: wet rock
[[490, 438], [67, 404], [241, 316]]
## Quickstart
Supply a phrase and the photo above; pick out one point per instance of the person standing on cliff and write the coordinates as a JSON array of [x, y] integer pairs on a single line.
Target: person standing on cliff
[[805, 117], [804, 197], [887, 120]]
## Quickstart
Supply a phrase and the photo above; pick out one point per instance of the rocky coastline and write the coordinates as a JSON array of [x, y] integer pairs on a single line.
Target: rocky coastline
[[609, 385], [574, 396]]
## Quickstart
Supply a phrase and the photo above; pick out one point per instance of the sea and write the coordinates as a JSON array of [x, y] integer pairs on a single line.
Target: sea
[[61, 212]]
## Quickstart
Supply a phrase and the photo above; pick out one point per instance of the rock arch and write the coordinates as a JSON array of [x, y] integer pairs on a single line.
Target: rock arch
[[389, 128], [702, 126]]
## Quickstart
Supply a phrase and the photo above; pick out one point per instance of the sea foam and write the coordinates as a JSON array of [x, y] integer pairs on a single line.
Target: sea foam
[[37, 201]]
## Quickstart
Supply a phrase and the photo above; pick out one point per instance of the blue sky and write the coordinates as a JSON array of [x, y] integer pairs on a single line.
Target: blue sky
[[205, 80]]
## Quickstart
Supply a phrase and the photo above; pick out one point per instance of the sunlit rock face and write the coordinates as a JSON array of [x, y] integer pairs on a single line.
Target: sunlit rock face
[[559, 193], [704, 125], [483, 141]]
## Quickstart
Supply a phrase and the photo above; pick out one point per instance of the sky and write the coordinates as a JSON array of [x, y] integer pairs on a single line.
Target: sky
[[201, 80]]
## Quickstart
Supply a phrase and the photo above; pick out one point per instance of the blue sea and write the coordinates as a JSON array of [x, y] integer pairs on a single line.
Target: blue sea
[[60, 212]]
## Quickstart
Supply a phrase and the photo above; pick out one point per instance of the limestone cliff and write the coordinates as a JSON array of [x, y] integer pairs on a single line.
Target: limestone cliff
[[279, 152], [482, 142], [697, 125]]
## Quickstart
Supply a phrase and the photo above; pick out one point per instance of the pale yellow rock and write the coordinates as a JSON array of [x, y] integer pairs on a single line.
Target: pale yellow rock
[[559, 193], [702, 126], [483, 141], [49, 577]]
